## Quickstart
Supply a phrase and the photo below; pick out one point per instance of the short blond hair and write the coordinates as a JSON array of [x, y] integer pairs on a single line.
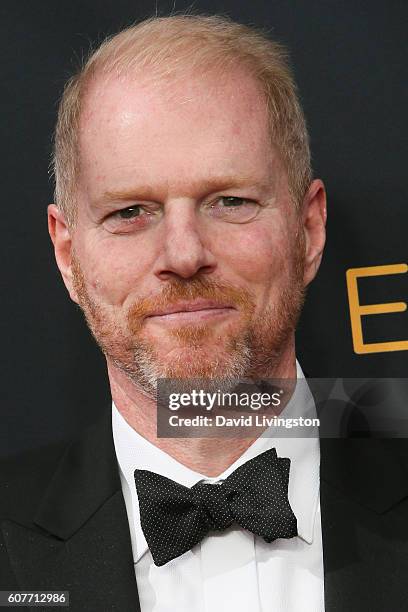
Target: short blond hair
[[165, 45]]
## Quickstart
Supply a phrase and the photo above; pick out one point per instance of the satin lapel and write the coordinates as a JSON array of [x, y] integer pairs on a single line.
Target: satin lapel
[[83, 541]]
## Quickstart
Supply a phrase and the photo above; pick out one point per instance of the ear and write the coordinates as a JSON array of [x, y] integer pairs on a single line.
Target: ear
[[314, 215], [62, 241]]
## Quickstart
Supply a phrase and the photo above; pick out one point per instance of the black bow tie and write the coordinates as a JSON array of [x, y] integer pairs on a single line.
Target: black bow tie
[[174, 518]]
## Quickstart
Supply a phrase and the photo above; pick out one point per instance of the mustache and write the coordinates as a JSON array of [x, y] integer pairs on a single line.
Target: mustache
[[179, 289]]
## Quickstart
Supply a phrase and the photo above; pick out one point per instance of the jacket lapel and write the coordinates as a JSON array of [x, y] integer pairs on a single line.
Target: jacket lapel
[[364, 512], [82, 541]]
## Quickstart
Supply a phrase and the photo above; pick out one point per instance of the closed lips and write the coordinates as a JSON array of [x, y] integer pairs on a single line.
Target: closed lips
[[190, 307]]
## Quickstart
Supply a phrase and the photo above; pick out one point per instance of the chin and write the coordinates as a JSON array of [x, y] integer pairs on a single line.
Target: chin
[[203, 361]]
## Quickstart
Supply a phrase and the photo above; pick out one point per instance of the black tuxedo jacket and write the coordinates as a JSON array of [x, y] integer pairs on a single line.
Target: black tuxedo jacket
[[64, 524]]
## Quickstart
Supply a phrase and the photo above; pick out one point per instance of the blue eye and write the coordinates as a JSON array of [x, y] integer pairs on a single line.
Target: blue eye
[[232, 201], [129, 213], [233, 209], [131, 219]]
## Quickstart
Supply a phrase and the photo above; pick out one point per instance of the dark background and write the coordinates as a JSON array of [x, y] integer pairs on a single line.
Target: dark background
[[350, 61]]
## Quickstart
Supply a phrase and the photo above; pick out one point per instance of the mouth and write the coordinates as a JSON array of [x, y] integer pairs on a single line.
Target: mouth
[[191, 311]]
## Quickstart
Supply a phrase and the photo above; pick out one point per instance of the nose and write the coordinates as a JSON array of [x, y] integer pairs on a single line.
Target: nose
[[184, 243]]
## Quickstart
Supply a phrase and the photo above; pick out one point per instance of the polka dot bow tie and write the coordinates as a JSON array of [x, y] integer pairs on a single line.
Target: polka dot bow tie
[[174, 518]]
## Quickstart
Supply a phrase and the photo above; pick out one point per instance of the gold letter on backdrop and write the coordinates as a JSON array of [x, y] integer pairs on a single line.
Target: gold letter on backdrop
[[357, 311]]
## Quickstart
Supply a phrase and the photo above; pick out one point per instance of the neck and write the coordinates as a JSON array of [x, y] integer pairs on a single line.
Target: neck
[[208, 456]]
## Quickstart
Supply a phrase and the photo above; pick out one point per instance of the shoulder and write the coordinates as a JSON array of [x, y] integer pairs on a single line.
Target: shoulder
[[24, 478], [27, 478]]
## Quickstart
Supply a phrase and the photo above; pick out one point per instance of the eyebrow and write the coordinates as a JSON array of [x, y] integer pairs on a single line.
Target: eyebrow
[[207, 186]]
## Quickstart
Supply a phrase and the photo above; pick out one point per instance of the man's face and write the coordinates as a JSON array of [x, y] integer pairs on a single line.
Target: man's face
[[187, 254]]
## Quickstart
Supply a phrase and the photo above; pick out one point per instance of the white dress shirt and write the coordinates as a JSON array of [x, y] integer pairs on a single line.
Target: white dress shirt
[[232, 570]]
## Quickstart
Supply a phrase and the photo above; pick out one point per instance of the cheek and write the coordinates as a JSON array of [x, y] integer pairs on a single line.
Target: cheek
[[113, 270], [258, 254]]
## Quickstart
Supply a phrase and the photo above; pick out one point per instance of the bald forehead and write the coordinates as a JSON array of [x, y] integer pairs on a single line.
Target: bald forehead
[[181, 89]]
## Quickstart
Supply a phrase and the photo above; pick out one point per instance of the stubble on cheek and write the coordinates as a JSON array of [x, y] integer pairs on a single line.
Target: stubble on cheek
[[103, 325]]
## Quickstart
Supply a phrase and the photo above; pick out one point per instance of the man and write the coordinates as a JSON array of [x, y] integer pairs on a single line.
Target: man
[[187, 227]]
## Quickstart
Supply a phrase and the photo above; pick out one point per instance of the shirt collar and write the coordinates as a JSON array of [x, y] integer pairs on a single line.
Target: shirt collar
[[135, 452]]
